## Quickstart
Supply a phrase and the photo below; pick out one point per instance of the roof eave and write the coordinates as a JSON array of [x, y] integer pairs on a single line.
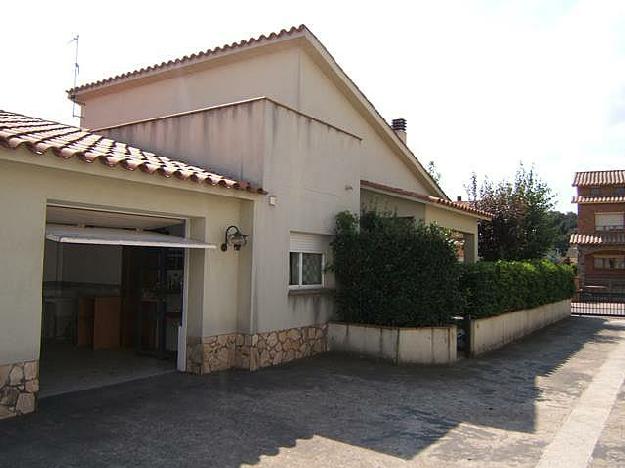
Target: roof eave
[[425, 199], [185, 64]]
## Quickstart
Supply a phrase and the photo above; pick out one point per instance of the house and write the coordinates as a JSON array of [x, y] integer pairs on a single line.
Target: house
[[193, 219], [600, 236]]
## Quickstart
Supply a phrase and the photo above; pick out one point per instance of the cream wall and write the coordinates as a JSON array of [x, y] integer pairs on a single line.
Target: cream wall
[[309, 167], [428, 213], [320, 96], [305, 163], [272, 74], [286, 73], [227, 140], [26, 188], [450, 219], [465, 224], [385, 204]]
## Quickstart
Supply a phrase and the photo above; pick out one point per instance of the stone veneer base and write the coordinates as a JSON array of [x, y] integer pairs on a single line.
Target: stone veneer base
[[251, 352], [19, 384]]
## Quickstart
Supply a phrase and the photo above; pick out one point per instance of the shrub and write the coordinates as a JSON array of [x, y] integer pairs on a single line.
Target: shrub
[[394, 272], [493, 288]]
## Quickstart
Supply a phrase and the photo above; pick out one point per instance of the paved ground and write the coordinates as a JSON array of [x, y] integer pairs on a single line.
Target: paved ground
[[66, 368], [508, 408]]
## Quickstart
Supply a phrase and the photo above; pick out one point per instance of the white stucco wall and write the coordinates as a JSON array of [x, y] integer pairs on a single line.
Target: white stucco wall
[[227, 140], [386, 204], [490, 333], [26, 188], [451, 219], [286, 73], [311, 169], [401, 345], [272, 74], [379, 162], [459, 222]]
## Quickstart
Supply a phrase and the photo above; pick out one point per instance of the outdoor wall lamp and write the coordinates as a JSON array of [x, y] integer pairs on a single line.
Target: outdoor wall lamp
[[235, 238]]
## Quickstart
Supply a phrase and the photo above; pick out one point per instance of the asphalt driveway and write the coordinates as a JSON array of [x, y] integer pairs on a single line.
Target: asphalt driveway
[[504, 409]]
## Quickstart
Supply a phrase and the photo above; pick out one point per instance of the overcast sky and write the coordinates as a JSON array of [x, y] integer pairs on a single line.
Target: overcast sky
[[483, 84]]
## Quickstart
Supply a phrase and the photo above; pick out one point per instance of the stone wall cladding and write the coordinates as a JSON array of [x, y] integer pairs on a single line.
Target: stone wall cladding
[[251, 352], [277, 347], [19, 384]]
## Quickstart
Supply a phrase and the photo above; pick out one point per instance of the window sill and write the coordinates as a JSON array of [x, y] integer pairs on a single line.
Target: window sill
[[310, 291]]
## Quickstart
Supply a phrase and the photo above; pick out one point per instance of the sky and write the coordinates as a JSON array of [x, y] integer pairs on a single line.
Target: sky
[[484, 85]]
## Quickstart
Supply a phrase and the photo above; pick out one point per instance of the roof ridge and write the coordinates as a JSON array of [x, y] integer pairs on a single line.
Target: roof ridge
[[187, 58]]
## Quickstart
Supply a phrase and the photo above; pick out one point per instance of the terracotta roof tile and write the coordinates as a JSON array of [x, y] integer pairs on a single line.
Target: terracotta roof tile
[[189, 58], [64, 141], [583, 200], [594, 178], [462, 206], [609, 238]]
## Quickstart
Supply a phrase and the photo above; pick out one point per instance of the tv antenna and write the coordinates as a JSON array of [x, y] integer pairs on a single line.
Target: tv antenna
[[76, 72]]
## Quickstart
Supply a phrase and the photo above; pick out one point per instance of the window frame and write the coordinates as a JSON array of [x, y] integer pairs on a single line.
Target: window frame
[[609, 227], [299, 284], [605, 259]]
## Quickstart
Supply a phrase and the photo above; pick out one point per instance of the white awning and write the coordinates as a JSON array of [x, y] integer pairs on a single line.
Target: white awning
[[112, 236]]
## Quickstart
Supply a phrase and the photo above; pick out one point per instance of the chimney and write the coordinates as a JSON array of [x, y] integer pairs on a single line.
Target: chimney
[[399, 126], [459, 197]]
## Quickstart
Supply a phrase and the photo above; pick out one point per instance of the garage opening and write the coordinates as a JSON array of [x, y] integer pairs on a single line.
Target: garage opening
[[113, 298]]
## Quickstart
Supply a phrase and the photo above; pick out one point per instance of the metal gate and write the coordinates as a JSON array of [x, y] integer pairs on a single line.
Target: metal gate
[[608, 304]]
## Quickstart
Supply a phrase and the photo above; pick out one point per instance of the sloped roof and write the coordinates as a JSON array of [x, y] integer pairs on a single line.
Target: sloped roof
[[428, 198], [188, 59], [583, 200], [42, 137], [595, 178], [300, 31], [608, 238]]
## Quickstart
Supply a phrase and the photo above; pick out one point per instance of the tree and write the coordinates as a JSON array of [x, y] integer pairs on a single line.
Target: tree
[[522, 227], [433, 171], [564, 224]]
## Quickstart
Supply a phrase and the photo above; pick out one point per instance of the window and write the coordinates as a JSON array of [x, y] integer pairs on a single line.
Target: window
[[306, 269], [306, 261], [595, 192], [608, 221], [619, 191], [609, 262]]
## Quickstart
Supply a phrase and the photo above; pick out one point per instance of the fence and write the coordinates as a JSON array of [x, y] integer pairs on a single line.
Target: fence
[[609, 304]]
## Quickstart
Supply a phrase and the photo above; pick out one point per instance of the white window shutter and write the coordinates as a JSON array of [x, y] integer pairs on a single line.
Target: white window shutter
[[609, 219], [308, 243]]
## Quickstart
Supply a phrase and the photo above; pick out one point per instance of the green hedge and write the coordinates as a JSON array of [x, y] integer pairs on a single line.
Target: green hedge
[[493, 288], [394, 272]]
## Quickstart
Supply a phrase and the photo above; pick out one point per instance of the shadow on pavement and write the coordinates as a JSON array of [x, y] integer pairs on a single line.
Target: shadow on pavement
[[234, 417]]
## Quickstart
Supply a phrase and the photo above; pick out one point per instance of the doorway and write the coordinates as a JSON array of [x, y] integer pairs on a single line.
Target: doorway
[[113, 298]]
